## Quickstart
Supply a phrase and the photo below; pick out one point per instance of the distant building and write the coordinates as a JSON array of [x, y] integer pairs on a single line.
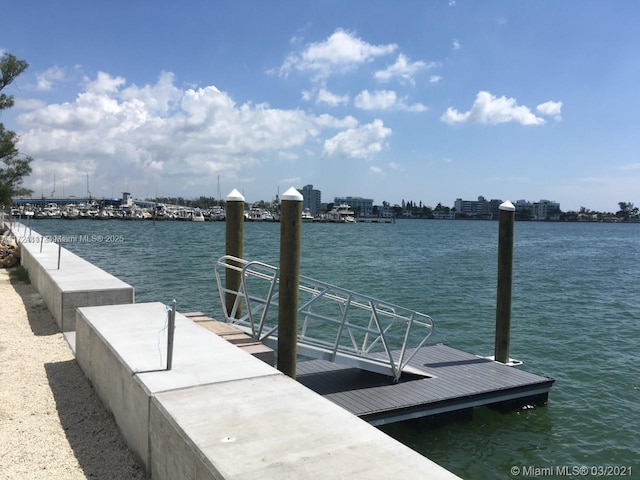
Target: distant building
[[523, 209], [480, 208], [542, 210], [311, 199], [361, 206], [127, 199], [545, 210]]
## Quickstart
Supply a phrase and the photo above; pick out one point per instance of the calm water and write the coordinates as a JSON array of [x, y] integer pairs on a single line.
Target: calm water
[[575, 316]]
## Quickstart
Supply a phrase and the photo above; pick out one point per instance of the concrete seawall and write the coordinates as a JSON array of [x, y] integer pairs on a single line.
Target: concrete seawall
[[219, 413], [65, 280]]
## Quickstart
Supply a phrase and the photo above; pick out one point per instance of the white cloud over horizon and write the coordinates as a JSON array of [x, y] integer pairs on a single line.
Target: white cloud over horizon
[[385, 100], [492, 110], [403, 69], [331, 99], [47, 78], [551, 109], [341, 52], [162, 134], [358, 142]]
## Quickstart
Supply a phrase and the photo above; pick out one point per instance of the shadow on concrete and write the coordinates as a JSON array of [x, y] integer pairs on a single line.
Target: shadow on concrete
[[40, 319], [90, 429]]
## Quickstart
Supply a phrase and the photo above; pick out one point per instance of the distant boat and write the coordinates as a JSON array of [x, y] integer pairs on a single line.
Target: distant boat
[[256, 214], [218, 214], [306, 216], [197, 216], [341, 214]]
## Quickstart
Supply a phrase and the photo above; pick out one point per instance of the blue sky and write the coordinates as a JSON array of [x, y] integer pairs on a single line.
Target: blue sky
[[416, 100]]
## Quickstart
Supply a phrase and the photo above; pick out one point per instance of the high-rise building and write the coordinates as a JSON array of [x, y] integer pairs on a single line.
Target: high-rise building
[[311, 199]]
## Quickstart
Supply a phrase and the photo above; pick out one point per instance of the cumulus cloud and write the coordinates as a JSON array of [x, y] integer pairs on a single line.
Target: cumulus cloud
[[136, 135], [46, 79], [375, 170], [358, 142], [489, 109], [331, 99], [329, 121], [378, 100], [158, 98], [435, 78], [551, 109], [456, 45], [403, 69], [385, 100], [339, 53]]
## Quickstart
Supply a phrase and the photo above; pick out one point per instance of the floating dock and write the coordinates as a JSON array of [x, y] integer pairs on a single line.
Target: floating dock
[[371, 357], [458, 381]]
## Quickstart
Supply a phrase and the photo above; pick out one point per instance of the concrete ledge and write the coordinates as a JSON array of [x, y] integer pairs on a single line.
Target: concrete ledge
[[76, 284], [221, 413], [122, 350], [271, 428]]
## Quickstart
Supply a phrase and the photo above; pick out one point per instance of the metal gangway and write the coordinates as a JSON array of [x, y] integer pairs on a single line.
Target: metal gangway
[[334, 324]]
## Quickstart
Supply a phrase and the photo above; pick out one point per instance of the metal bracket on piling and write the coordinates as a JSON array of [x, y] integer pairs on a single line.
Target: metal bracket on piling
[[59, 253], [170, 329]]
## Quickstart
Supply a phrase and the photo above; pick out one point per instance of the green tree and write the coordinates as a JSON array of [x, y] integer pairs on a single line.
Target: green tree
[[16, 165], [627, 211]]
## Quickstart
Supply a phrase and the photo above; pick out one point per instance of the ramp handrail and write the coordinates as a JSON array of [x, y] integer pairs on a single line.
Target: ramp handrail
[[334, 323]]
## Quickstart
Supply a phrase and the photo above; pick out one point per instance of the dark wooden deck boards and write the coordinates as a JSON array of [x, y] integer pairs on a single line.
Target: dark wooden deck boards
[[458, 380]]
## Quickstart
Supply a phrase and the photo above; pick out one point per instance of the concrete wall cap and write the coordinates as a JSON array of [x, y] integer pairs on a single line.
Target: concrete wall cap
[[292, 194], [235, 196]]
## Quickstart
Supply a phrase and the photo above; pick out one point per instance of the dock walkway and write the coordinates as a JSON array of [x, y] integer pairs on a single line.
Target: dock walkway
[[458, 381]]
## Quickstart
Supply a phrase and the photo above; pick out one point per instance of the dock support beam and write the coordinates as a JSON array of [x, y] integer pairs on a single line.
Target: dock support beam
[[234, 246], [505, 268], [290, 240]]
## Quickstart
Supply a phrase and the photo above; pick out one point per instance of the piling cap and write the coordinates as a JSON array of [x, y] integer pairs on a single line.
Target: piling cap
[[292, 194], [507, 206], [235, 196]]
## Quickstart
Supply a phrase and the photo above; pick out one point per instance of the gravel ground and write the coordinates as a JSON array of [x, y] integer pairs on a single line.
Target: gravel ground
[[52, 424]]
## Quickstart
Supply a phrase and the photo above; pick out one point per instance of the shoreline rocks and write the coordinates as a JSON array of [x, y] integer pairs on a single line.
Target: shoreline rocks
[[9, 252]]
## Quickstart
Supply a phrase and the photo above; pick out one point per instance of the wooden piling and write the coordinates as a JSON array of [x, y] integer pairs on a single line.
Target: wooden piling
[[234, 246], [289, 278], [505, 269]]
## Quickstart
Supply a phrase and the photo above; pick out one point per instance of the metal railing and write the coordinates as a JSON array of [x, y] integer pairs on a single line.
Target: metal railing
[[334, 324]]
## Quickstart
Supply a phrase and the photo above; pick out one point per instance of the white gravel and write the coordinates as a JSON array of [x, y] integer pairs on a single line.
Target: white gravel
[[52, 424]]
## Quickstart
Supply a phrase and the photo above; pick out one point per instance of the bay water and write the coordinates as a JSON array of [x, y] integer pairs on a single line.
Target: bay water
[[575, 317]]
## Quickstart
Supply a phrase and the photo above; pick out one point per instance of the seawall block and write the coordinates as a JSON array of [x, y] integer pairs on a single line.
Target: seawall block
[[76, 283], [122, 349], [271, 428]]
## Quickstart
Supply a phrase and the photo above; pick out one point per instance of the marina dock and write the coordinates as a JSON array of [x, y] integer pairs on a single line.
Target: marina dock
[[459, 381]]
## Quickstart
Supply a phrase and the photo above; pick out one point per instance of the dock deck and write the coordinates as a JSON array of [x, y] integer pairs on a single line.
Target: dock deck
[[458, 381]]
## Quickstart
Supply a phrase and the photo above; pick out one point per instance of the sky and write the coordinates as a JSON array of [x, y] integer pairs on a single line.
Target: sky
[[423, 101]]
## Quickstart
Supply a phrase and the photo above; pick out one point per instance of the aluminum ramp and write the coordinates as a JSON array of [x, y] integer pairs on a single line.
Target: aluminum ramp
[[334, 324]]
